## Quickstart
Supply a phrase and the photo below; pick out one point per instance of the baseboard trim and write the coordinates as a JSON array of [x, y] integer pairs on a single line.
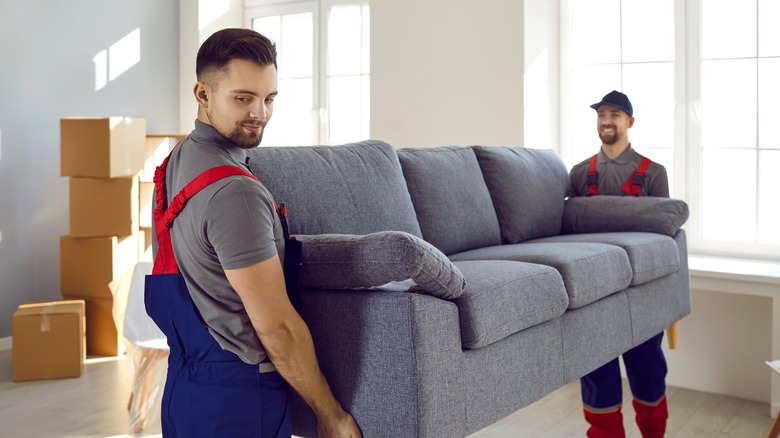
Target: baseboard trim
[[5, 343]]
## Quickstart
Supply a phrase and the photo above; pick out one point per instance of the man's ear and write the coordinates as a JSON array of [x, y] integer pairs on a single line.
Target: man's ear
[[630, 122], [202, 93]]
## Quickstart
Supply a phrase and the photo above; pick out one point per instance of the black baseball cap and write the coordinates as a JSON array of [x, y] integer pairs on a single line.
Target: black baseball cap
[[616, 99]]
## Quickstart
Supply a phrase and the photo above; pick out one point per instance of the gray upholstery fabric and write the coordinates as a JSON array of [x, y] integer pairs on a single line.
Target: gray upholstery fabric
[[514, 372], [352, 189], [589, 270], [651, 255], [669, 297], [350, 344], [337, 261], [598, 214], [528, 188], [595, 334], [451, 199], [504, 297]]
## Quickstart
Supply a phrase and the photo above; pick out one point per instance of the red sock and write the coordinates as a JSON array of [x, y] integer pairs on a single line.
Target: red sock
[[651, 419], [605, 424]]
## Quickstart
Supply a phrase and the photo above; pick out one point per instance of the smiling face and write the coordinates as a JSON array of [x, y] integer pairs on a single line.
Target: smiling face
[[613, 124], [238, 100]]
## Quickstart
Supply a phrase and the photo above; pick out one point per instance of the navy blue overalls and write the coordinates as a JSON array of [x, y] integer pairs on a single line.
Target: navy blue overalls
[[209, 392]]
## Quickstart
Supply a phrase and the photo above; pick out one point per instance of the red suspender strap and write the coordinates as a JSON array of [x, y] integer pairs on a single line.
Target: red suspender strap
[[635, 182], [165, 262], [593, 177]]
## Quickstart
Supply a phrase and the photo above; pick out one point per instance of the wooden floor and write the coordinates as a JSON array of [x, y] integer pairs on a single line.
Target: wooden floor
[[95, 405]]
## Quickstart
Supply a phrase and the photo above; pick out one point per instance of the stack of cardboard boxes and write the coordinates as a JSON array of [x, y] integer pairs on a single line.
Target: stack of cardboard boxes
[[102, 156], [110, 162]]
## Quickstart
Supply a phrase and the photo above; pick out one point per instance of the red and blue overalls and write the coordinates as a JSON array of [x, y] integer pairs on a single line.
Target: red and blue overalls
[[209, 392], [602, 394]]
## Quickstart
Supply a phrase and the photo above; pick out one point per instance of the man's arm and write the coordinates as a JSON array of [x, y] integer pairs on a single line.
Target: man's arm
[[288, 342]]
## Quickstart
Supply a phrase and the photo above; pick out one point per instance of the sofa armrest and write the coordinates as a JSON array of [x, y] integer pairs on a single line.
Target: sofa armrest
[[387, 260], [389, 358], [601, 214]]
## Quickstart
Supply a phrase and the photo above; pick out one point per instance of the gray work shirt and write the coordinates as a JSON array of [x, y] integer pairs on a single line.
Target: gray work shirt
[[613, 174], [230, 224]]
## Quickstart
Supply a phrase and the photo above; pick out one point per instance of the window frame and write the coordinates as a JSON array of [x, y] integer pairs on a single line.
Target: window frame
[[687, 150], [319, 9]]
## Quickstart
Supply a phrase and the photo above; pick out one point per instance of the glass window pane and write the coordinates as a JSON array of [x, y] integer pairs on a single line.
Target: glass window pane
[[271, 27], [642, 19], [768, 107], [589, 85], [296, 54], [768, 30], [729, 195], [769, 208], [293, 121], [728, 103], [345, 42], [595, 37], [651, 90], [728, 28], [345, 98]]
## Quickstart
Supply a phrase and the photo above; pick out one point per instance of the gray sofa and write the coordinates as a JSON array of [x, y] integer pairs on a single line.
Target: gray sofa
[[448, 287]]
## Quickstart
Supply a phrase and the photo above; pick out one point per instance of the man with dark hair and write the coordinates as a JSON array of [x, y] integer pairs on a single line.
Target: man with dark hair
[[237, 343], [617, 169]]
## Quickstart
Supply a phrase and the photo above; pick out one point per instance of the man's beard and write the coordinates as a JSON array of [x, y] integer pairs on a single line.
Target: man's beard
[[608, 138], [244, 140]]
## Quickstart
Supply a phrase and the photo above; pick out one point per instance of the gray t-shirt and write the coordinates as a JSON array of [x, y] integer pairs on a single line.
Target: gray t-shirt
[[230, 224], [613, 174]]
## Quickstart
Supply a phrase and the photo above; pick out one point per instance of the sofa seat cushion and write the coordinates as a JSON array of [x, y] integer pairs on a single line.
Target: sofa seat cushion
[[357, 188], [590, 271], [450, 197], [504, 297], [528, 188], [651, 255], [387, 260]]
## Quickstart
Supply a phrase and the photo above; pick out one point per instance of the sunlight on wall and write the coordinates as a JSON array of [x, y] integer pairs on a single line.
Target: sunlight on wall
[[210, 10], [124, 54], [117, 59], [101, 69]]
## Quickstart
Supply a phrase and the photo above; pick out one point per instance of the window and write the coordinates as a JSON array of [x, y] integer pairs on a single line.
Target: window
[[700, 74], [324, 77]]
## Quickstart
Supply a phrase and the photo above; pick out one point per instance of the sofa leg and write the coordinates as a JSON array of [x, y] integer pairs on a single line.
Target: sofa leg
[[605, 424], [671, 335]]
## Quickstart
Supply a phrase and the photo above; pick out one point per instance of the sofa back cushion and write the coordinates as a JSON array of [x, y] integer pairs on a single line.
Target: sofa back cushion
[[356, 188], [450, 197], [528, 187]]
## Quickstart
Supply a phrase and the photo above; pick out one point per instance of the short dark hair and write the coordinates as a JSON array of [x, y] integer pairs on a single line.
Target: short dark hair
[[235, 43]]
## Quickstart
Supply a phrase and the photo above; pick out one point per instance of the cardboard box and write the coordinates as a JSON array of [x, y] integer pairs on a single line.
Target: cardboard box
[[88, 264], [102, 337], [145, 197], [48, 340], [157, 148], [103, 206], [102, 147]]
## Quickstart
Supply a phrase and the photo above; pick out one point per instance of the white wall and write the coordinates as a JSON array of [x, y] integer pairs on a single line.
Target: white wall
[[541, 75], [47, 72], [723, 344], [447, 72]]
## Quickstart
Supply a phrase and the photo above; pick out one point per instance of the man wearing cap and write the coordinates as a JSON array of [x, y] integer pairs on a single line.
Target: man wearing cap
[[618, 170]]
